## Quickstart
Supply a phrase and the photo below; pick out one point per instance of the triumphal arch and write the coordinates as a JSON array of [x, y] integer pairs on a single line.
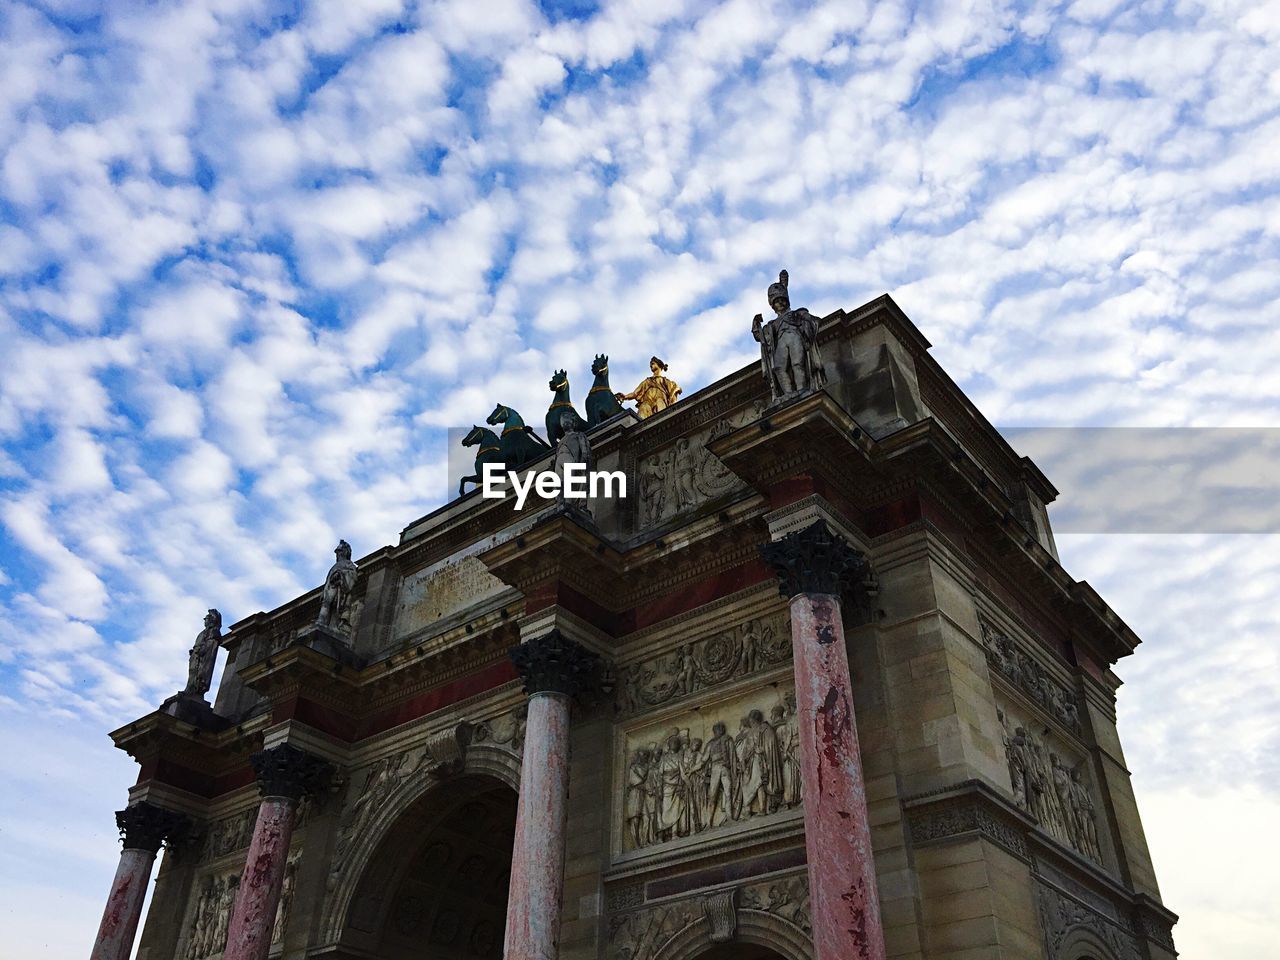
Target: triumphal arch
[[815, 688]]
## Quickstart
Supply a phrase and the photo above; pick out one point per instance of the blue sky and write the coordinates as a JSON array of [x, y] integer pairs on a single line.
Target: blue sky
[[256, 258]]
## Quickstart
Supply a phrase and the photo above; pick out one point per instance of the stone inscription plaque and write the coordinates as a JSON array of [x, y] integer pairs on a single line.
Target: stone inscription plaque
[[704, 769], [441, 590]]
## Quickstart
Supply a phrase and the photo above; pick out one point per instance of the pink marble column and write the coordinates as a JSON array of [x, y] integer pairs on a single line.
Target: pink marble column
[[285, 775], [816, 568], [143, 828], [554, 669]]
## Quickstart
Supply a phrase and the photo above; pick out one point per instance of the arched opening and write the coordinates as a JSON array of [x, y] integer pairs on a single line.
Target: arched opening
[[436, 888], [739, 951]]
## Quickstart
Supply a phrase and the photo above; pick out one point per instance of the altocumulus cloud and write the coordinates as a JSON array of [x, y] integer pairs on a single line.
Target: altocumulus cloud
[[256, 258]]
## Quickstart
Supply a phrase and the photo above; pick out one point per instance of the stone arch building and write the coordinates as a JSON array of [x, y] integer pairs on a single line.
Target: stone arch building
[[634, 734]]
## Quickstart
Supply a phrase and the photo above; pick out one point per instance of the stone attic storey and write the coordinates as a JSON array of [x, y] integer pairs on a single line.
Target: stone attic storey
[[817, 687]]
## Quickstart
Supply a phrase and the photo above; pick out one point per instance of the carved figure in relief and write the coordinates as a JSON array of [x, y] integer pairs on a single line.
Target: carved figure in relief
[[204, 653], [784, 725], [339, 584], [693, 770], [1086, 824], [720, 766], [654, 393], [653, 491], [286, 900], [683, 467], [672, 820], [637, 795], [789, 356]]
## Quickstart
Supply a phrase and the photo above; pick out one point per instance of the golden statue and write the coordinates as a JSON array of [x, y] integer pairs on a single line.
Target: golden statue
[[653, 394]]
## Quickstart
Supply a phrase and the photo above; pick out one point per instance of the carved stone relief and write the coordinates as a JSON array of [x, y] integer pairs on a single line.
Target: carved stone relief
[[1061, 915], [1050, 781], [286, 899], [208, 932], [228, 835], [685, 474], [643, 934], [1025, 673], [736, 652], [436, 592], [714, 766]]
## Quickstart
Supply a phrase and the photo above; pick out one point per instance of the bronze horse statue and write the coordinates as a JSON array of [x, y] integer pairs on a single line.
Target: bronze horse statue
[[520, 445], [601, 401], [559, 385], [490, 452]]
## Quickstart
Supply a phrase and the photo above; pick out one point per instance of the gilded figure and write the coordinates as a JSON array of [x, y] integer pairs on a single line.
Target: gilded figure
[[654, 393]]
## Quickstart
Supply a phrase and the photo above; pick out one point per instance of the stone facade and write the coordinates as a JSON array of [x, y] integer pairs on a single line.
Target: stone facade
[[930, 679]]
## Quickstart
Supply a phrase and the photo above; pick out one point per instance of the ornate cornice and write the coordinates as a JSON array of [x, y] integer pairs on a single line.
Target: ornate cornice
[[816, 560], [146, 826], [285, 771], [552, 663]]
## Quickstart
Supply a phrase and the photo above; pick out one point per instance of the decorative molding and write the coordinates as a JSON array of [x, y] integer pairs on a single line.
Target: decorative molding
[[968, 809], [815, 560], [285, 771], [552, 663]]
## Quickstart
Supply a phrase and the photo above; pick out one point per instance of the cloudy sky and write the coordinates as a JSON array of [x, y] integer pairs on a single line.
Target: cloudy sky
[[256, 257]]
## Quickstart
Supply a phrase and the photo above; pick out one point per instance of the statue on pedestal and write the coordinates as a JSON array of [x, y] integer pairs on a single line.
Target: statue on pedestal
[[789, 356], [573, 447], [336, 603], [202, 656]]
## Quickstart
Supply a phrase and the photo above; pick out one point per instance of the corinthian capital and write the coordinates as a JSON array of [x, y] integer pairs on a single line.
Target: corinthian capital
[[145, 826], [552, 663], [816, 560], [286, 771]]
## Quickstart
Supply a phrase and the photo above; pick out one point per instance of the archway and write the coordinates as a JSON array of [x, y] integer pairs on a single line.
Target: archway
[[436, 888], [740, 951]]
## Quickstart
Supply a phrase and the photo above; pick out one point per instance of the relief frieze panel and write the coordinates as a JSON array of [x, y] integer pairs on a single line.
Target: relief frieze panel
[[1050, 781], [739, 651], [1026, 674], [685, 474], [711, 767], [207, 933]]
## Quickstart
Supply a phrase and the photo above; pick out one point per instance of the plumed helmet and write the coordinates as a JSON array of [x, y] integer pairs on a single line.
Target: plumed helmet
[[779, 289]]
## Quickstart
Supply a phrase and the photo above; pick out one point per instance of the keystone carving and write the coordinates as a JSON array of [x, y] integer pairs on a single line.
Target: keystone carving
[[719, 911], [553, 663], [285, 771], [815, 560], [445, 752]]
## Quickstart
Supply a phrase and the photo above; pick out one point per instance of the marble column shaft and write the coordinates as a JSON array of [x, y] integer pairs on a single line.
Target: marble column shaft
[[285, 775], [144, 827], [537, 860], [554, 668], [816, 568]]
